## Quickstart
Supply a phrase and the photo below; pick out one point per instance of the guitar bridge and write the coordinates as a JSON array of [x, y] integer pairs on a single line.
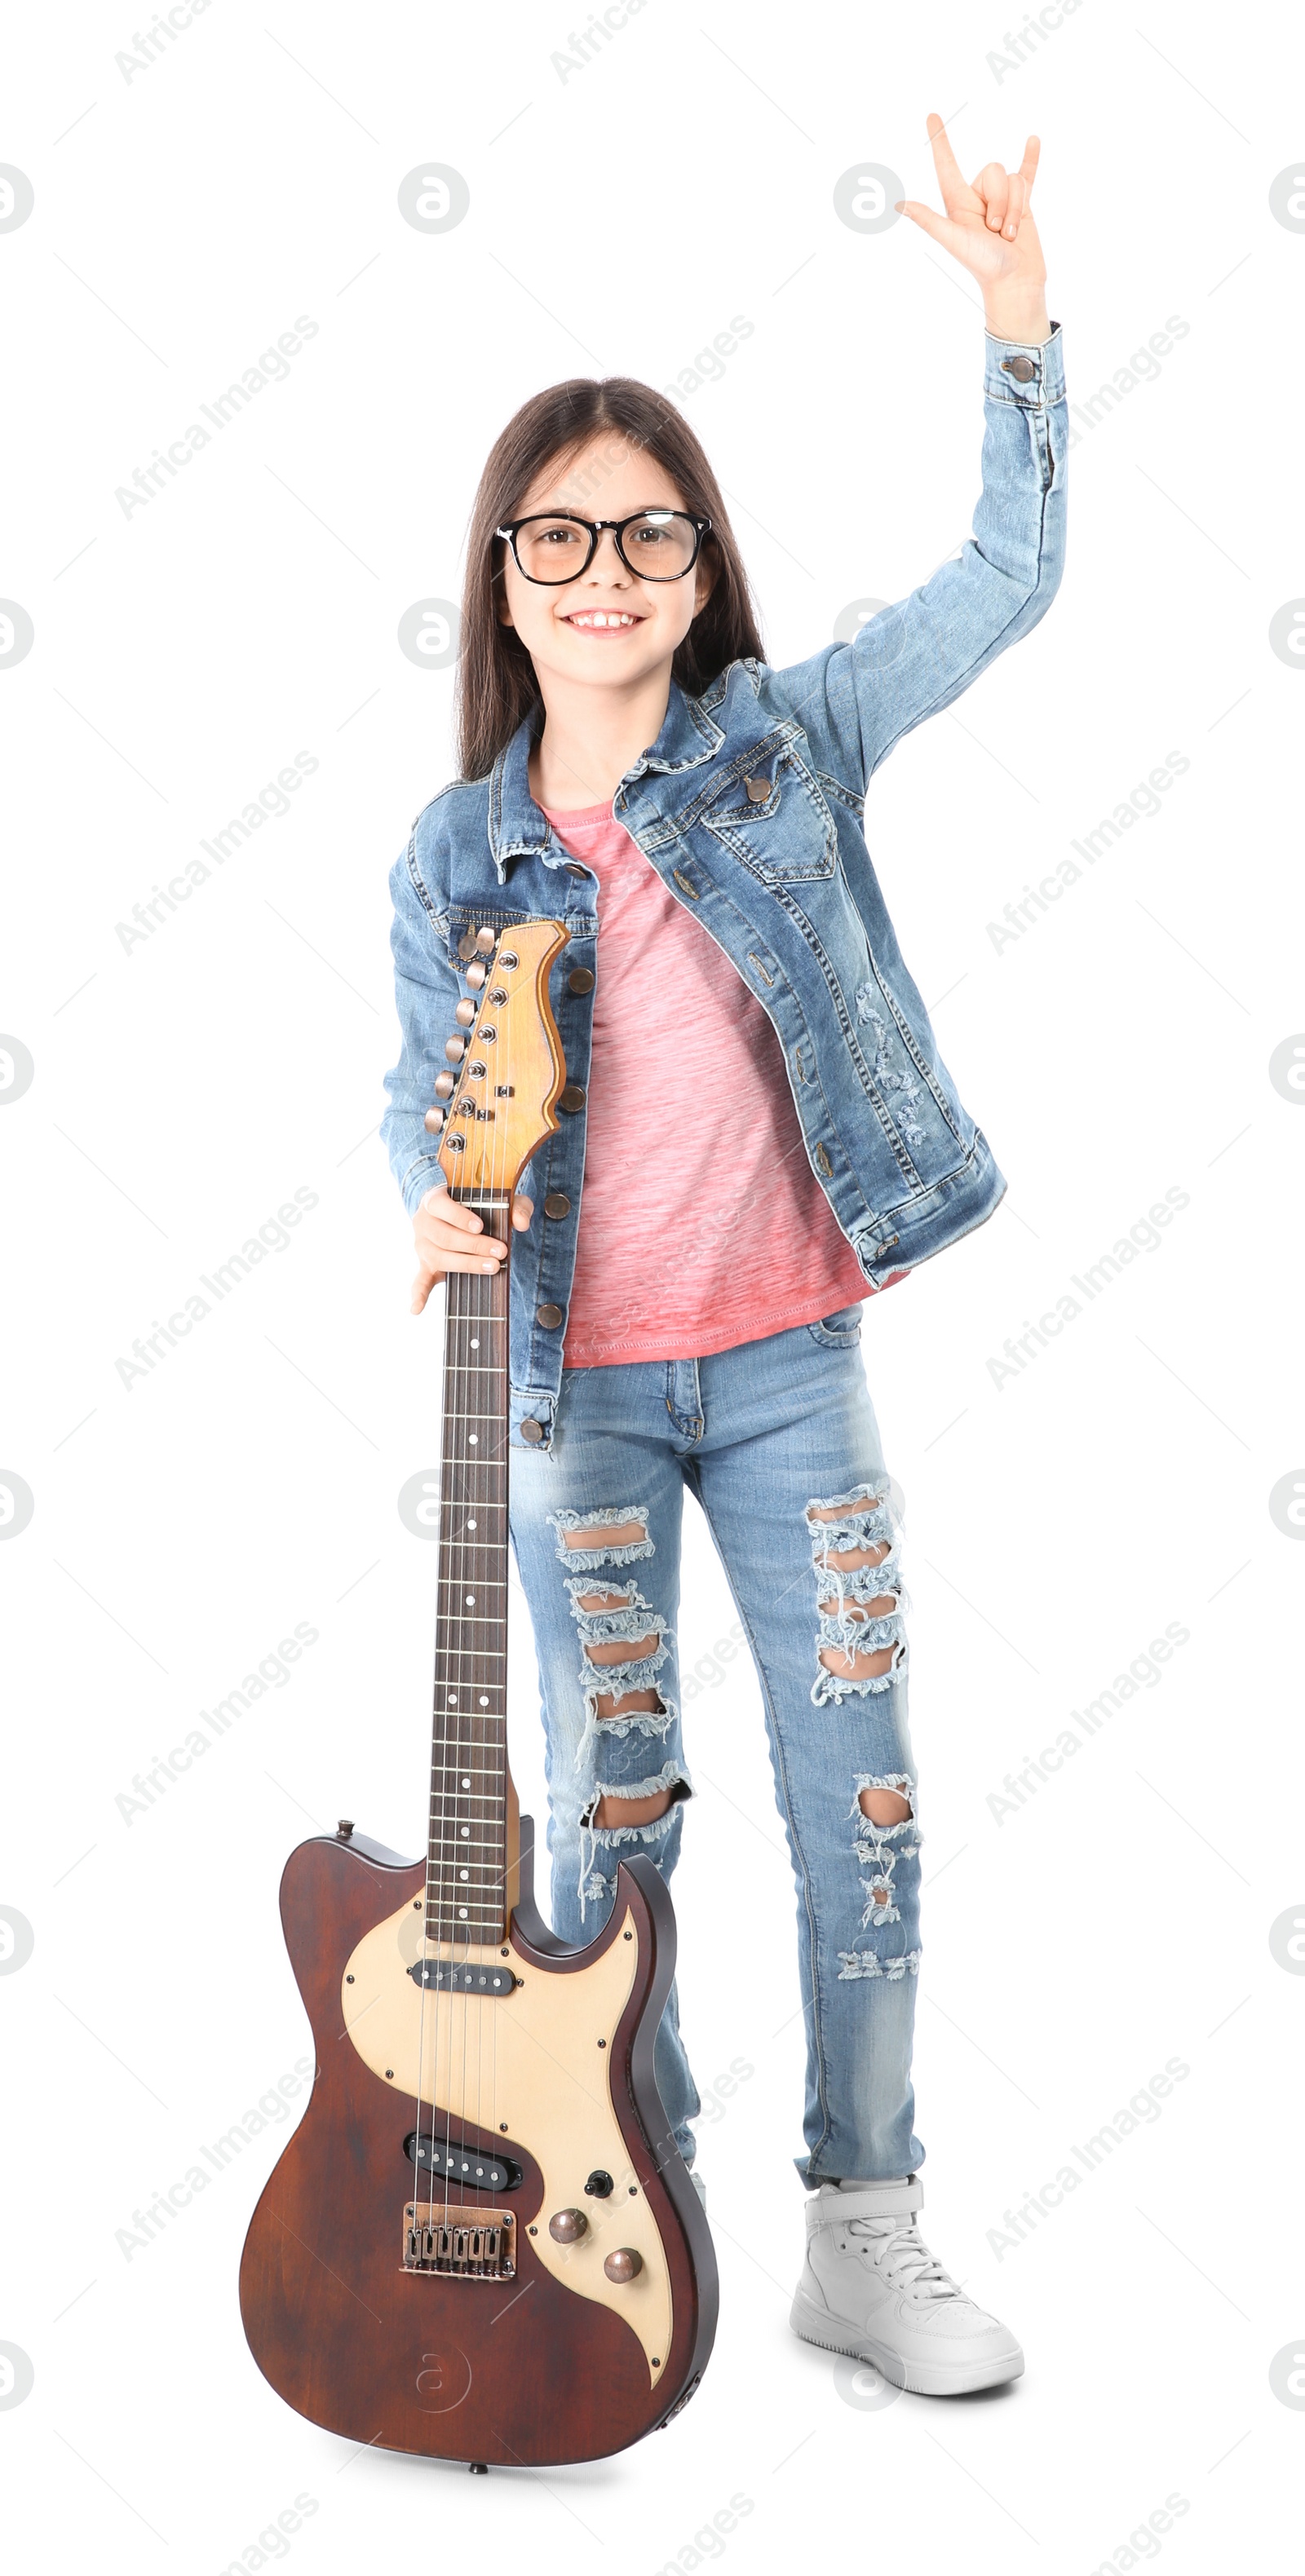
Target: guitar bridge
[[479, 2247]]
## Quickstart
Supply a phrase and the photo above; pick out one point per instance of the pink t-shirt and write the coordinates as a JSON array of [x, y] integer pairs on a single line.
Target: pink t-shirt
[[701, 1224]]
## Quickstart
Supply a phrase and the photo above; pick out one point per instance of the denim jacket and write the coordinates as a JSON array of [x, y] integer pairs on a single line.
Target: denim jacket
[[749, 807]]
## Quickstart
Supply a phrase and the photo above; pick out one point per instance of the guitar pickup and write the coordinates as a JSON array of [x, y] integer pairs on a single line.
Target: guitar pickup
[[462, 1977], [454, 2161]]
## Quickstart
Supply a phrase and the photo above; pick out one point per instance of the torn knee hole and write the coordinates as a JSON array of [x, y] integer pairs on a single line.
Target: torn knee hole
[[884, 1807], [621, 1650], [845, 1560], [880, 1608], [608, 1534], [631, 1703], [612, 1812], [860, 1668]]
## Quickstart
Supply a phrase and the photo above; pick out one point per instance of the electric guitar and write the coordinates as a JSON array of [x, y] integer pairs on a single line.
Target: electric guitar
[[481, 2243]]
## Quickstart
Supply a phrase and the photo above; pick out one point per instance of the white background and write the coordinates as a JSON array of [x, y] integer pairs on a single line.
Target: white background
[[186, 1086]]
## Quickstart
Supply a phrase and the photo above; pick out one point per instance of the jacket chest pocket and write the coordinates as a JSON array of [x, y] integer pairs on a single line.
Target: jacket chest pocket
[[770, 813], [460, 923]]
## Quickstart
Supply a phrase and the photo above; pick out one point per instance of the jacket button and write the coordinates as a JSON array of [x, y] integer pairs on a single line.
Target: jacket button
[[557, 1204], [533, 1432], [574, 869], [572, 1098], [580, 980], [549, 1316], [758, 789], [1020, 368]]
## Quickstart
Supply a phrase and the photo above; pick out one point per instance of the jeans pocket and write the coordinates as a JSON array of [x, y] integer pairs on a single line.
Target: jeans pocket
[[836, 1331]]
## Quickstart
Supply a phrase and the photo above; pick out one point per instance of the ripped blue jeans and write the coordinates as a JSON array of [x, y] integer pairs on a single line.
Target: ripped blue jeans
[[778, 1441]]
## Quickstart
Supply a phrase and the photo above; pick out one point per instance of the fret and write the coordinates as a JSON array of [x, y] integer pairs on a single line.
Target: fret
[[481, 1918]]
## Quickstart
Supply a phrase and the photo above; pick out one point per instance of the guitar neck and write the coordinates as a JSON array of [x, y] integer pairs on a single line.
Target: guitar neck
[[472, 1806]]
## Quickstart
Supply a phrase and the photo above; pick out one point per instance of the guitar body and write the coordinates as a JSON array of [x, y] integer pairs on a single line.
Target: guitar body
[[551, 2360]]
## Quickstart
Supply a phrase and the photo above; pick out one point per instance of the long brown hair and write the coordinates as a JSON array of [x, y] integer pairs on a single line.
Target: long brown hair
[[496, 678]]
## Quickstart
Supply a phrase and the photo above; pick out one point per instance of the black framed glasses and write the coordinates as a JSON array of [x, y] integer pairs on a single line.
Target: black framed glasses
[[554, 546]]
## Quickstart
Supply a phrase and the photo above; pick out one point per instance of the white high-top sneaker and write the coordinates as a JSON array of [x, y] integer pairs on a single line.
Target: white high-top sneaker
[[871, 2287]]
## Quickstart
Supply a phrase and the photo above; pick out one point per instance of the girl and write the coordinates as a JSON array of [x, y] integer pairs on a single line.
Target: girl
[[759, 1134]]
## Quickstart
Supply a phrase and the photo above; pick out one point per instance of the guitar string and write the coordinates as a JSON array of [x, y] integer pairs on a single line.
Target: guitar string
[[440, 1895], [471, 1304], [480, 1303], [500, 1353], [482, 1298], [483, 1301]]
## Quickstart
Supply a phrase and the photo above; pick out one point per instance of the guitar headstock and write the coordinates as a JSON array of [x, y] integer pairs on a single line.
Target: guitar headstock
[[501, 1099]]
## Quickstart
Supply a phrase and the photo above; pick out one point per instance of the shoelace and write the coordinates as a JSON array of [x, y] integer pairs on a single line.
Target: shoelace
[[905, 2259]]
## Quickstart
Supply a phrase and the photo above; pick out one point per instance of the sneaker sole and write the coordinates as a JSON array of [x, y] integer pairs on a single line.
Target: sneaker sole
[[921, 2378]]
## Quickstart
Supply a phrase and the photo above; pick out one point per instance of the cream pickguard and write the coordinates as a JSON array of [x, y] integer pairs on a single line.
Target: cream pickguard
[[530, 2062]]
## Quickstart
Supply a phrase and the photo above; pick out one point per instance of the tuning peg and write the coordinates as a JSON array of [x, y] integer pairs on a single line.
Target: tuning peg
[[476, 976], [455, 1049], [433, 1121], [465, 1014], [444, 1083], [485, 940]]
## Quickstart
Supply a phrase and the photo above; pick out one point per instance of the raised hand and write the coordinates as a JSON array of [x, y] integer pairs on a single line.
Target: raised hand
[[990, 229]]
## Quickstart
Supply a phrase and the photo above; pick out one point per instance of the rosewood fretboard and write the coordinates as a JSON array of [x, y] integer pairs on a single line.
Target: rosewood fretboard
[[468, 1854]]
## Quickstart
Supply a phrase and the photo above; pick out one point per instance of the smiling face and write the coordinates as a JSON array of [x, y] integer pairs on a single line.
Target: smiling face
[[607, 628]]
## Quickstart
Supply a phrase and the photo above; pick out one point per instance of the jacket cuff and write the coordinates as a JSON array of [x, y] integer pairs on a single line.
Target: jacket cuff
[[1022, 372], [425, 1174]]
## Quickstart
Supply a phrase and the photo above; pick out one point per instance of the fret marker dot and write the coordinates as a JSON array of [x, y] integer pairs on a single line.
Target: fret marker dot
[[473, 1346], [471, 1524], [473, 1439], [462, 1914], [466, 1784], [483, 1701], [453, 1699], [464, 1831], [464, 1873], [470, 1599]]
